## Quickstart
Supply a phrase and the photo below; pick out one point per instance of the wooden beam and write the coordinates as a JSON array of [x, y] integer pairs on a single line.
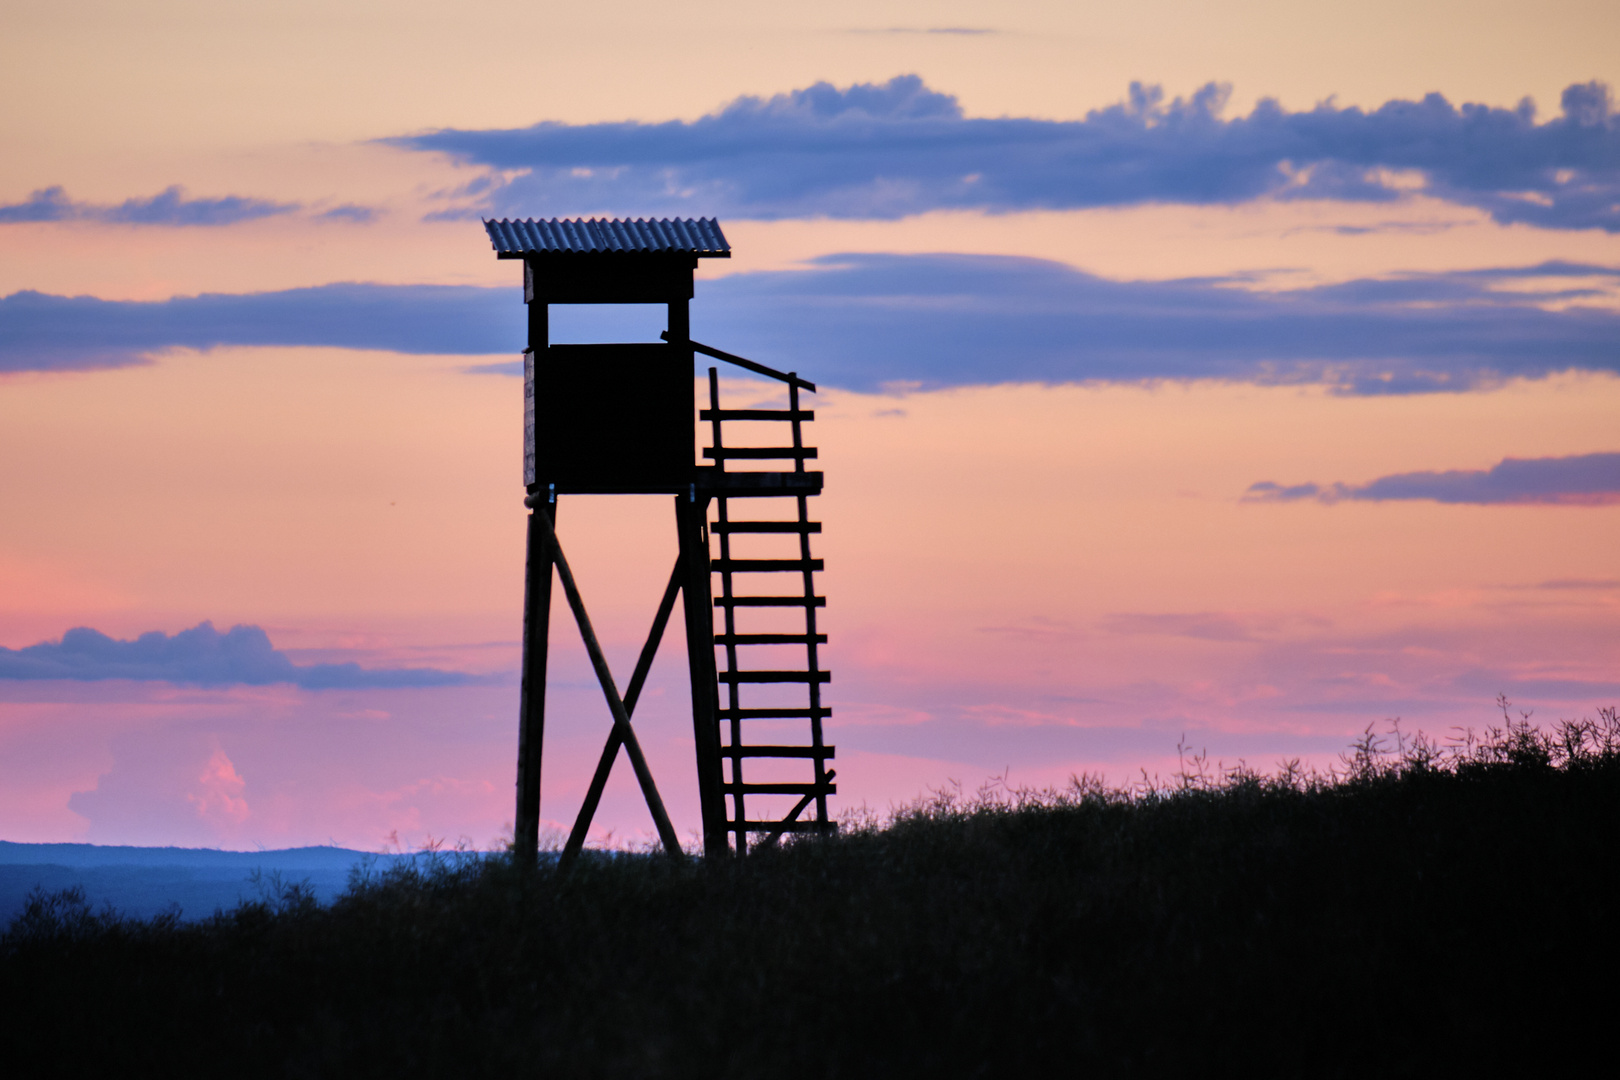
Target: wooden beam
[[793, 815], [536, 626], [621, 718], [610, 752], [690, 517], [532, 688], [788, 377]]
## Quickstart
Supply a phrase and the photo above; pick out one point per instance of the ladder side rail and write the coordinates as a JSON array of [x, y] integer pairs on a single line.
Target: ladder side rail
[[798, 426], [813, 656], [730, 618], [811, 635]]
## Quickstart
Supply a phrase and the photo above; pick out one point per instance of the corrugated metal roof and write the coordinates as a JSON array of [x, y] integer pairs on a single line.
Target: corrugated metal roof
[[694, 236]]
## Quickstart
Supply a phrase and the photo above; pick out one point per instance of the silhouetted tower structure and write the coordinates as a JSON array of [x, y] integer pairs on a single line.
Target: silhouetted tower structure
[[618, 419]]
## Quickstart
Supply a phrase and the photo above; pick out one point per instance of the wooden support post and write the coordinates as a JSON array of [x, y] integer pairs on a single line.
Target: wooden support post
[[691, 523], [536, 616], [691, 513], [532, 689]]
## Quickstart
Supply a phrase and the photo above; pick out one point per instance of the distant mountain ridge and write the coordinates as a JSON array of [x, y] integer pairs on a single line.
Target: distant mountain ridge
[[320, 857], [145, 881]]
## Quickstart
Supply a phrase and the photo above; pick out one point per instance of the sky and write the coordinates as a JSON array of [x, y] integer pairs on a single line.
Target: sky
[[1192, 379]]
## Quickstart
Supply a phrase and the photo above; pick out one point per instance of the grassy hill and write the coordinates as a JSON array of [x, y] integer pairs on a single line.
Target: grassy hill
[[1421, 910]]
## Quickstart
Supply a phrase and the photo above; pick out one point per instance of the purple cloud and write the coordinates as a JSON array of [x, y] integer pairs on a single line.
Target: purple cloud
[[1582, 480], [898, 148], [167, 207], [351, 212], [202, 656], [46, 204], [42, 332]]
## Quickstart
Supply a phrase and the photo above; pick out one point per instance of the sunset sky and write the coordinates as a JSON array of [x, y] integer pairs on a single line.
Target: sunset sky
[[1232, 376]]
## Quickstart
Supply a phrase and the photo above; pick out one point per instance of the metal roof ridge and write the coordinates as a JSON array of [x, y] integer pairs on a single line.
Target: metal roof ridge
[[696, 236]]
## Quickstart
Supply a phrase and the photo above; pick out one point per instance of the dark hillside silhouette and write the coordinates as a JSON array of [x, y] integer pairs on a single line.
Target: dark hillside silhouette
[[1423, 909]]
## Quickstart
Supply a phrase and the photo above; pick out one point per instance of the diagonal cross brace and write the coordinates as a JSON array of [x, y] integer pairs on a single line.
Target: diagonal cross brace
[[610, 752], [621, 716], [793, 815]]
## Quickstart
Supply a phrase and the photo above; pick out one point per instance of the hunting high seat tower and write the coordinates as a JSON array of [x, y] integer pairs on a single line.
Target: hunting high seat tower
[[617, 419]]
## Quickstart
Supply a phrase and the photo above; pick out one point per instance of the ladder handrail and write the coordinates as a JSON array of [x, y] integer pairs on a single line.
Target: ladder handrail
[[788, 377]]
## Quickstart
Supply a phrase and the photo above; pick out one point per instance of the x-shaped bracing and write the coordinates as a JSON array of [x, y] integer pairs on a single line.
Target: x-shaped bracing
[[621, 708]]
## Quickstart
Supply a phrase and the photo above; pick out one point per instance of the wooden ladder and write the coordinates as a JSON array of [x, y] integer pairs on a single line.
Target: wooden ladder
[[782, 703]]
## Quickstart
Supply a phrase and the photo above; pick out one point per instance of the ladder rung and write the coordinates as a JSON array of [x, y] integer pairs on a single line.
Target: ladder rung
[[756, 485], [777, 751], [765, 527], [761, 566], [758, 453], [756, 414], [775, 676], [783, 713], [770, 601], [781, 789], [770, 639], [799, 825]]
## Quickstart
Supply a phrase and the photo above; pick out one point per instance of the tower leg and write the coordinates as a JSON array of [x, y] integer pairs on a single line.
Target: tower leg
[[532, 691], [690, 520]]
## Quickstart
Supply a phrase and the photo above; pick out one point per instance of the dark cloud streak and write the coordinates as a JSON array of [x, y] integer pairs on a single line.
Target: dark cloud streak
[[39, 331], [168, 207], [869, 322], [1581, 480], [202, 656], [352, 213]]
